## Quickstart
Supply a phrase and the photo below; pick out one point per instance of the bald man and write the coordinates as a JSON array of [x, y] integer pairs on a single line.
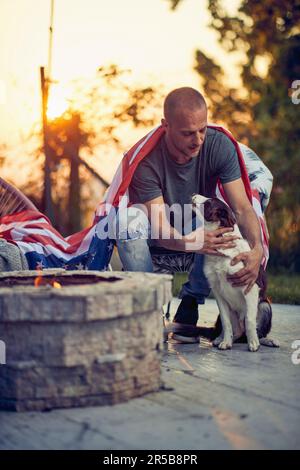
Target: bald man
[[189, 159]]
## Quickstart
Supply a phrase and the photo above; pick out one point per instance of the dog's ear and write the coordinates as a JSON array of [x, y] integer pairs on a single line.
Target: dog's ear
[[227, 218]]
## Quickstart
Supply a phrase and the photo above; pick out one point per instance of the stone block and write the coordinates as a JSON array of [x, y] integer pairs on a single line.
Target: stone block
[[81, 345]]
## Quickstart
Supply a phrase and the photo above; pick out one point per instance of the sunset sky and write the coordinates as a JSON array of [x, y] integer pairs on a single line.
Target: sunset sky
[[143, 35]]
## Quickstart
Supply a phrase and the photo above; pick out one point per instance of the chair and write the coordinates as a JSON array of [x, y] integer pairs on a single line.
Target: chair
[[12, 200], [170, 262]]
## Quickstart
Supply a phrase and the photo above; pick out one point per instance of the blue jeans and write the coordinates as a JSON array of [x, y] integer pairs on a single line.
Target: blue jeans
[[133, 242]]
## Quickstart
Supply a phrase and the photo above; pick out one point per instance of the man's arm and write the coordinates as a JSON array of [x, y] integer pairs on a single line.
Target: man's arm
[[198, 241], [249, 225]]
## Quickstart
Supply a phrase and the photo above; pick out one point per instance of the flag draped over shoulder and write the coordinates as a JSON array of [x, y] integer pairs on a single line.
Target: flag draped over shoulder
[[91, 248]]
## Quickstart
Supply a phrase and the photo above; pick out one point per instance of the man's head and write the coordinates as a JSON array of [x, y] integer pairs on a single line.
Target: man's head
[[185, 121]]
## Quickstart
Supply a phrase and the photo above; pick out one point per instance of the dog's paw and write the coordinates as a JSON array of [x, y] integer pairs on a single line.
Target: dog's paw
[[253, 345], [217, 341], [271, 343], [225, 345]]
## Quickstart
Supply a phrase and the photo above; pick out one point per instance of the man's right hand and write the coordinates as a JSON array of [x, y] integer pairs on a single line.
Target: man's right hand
[[212, 241]]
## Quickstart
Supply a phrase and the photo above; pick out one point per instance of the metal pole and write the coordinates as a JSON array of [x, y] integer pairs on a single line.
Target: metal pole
[[47, 197], [45, 83], [50, 41]]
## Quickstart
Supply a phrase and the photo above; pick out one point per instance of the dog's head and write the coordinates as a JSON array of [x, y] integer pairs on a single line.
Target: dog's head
[[215, 211]]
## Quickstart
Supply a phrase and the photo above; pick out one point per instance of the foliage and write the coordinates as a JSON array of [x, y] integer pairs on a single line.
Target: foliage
[[284, 289], [2, 154], [112, 101], [100, 112], [261, 112]]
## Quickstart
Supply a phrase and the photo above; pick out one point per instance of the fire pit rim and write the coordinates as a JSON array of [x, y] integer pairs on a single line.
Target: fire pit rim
[[135, 294]]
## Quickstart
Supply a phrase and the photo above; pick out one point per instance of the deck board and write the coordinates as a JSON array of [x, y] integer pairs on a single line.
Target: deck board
[[210, 400]]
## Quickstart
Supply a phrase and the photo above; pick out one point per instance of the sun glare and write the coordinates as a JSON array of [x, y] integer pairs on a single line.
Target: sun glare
[[57, 102]]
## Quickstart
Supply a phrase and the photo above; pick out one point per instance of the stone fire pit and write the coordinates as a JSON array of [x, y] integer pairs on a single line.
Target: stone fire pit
[[94, 341]]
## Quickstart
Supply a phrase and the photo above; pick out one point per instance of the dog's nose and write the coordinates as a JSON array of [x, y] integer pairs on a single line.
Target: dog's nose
[[199, 199]]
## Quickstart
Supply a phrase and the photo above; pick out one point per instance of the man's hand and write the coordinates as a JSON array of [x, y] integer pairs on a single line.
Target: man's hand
[[247, 276], [214, 240]]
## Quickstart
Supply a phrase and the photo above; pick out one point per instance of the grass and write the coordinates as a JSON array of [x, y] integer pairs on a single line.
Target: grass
[[282, 288]]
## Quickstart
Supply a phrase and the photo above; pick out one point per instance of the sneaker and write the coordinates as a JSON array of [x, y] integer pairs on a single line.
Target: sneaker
[[183, 328], [181, 333]]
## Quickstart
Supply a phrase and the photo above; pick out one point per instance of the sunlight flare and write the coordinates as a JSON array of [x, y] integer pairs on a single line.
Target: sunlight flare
[[57, 102]]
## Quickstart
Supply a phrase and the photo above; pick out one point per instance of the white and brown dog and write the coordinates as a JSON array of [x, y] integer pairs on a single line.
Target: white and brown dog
[[243, 317]]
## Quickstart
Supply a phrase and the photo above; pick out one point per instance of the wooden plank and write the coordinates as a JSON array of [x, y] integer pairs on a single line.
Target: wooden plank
[[212, 400]]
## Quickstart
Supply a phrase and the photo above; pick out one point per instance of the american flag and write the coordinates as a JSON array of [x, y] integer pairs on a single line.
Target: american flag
[[45, 247]]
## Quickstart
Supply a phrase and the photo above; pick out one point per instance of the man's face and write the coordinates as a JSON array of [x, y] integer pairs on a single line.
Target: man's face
[[185, 133]]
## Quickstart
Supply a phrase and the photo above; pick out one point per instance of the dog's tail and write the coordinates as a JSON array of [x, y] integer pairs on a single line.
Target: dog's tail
[[264, 318], [264, 308]]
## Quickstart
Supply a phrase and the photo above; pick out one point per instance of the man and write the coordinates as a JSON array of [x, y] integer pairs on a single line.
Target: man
[[189, 159]]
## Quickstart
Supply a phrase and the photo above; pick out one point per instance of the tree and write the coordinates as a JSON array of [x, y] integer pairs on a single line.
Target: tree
[[97, 116], [100, 112], [262, 113], [2, 155]]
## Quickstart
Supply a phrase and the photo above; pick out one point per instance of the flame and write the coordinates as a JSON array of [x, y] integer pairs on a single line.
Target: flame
[[41, 281], [56, 285]]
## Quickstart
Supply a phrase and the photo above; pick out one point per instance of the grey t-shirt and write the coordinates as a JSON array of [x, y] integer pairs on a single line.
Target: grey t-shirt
[[159, 175]]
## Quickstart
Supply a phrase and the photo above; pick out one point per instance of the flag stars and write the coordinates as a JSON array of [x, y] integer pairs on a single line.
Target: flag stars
[[39, 265], [79, 266]]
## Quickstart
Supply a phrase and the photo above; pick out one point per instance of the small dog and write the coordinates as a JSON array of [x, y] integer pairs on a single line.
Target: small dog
[[242, 317]]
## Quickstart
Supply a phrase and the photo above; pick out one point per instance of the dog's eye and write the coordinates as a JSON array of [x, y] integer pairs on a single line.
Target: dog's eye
[[223, 213]]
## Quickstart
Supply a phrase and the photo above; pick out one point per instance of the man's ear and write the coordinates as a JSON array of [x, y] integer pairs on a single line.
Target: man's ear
[[164, 123]]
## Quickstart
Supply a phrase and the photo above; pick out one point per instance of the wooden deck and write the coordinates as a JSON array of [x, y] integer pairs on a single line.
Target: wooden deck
[[211, 400]]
